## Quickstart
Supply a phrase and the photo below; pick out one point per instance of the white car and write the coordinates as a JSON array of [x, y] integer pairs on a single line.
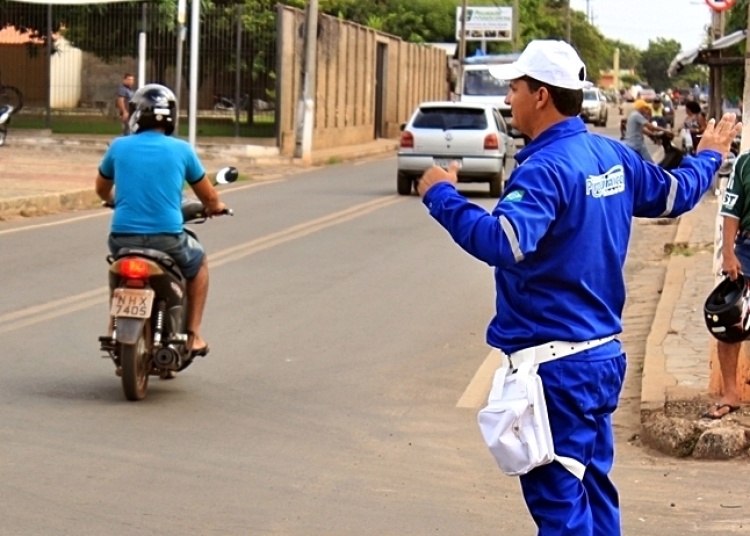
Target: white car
[[594, 108], [473, 134]]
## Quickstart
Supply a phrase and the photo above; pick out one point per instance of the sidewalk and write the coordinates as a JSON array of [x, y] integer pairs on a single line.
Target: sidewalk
[[38, 175], [676, 373]]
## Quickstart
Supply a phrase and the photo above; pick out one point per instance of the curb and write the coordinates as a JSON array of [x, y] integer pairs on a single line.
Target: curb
[[654, 379], [40, 205]]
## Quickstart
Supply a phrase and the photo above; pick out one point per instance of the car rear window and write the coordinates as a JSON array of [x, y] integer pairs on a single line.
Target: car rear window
[[590, 95], [451, 118]]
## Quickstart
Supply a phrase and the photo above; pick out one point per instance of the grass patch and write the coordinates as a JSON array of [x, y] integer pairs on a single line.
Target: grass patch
[[687, 250], [334, 160], [264, 127]]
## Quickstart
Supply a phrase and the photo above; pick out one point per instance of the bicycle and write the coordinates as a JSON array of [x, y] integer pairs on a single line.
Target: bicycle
[[11, 102]]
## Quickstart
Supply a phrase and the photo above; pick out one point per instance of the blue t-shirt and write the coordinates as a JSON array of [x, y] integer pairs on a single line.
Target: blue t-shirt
[[559, 236], [149, 170]]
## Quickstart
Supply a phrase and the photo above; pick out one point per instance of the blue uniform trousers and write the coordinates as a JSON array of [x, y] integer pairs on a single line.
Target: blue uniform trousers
[[581, 391]]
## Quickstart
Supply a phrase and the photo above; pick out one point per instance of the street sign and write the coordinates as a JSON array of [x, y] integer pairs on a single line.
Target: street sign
[[486, 24], [720, 5]]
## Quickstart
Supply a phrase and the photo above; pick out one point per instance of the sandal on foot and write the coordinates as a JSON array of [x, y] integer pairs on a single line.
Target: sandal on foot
[[199, 352], [715, 411], [196, 352]]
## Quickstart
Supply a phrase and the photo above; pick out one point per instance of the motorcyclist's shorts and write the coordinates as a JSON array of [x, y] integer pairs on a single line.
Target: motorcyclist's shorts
[[183, 248]]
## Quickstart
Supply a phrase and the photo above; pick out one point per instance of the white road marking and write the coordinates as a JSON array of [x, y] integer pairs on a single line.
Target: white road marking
[[475, 394], [38, 313]]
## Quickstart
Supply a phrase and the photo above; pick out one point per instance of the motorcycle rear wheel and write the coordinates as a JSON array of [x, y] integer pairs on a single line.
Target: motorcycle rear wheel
[[135, 360]]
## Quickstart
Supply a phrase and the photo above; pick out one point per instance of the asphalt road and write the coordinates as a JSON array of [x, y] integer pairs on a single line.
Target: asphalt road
[[345, 328]]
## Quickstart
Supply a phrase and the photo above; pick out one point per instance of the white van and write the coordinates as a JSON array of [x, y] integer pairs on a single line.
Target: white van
[[478, 85]]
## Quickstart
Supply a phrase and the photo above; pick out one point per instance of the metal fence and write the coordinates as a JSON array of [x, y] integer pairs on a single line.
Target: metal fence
[[92, 46]]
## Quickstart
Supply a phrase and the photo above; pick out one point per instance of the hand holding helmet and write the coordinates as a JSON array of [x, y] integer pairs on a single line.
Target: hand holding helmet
[[727, 310]]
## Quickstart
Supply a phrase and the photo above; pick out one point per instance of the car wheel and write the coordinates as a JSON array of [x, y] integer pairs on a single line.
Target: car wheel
[[497, 182], [404, 183]]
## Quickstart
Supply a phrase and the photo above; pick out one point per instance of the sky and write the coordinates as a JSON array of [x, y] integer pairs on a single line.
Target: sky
[[638, 21]]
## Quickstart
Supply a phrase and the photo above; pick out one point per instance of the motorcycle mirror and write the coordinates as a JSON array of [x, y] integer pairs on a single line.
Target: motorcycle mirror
[[227, 175]]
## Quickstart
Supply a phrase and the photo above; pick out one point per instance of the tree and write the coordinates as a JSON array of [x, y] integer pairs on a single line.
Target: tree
[[655, 61]]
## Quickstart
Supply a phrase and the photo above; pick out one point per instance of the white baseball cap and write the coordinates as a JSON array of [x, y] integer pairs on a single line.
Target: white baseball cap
[[553, 62]]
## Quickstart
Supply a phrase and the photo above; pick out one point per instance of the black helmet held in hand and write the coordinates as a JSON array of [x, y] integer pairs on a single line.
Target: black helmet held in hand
[[727, 310], [153, 106]]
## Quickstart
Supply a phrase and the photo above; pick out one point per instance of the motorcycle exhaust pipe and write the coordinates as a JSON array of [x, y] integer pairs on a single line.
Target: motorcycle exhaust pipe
[[167, 358]]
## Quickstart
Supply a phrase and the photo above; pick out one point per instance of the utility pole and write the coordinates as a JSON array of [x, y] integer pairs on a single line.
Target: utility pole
[[181, 33], [745, 144], [567, 21], [516, 26], [461, 51], [715, 72], [306, 105]]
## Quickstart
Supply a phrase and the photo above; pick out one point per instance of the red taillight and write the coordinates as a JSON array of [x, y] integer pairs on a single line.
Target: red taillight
[[491, 142], [133, 268], [407, 140]]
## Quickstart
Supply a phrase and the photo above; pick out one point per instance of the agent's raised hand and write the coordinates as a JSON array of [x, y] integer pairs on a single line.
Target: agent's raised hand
[[718, 136], [437, 174]]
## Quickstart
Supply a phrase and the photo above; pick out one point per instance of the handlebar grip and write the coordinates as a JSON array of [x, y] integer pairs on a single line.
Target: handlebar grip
[[227, 212]]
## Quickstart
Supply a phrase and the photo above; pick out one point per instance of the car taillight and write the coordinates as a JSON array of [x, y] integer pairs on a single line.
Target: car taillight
[[491, 142], [407, 140], [134, 268]]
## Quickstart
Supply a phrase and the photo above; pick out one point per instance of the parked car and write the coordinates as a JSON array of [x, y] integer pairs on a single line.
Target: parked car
[[647, 94], [473, 134], [594, 109]]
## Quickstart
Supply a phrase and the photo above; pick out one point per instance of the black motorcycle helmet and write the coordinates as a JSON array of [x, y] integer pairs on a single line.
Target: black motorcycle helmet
[[727, 310], [152, 106]]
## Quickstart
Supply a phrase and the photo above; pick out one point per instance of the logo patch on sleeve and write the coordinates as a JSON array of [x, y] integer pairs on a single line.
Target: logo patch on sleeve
[[610, 183], [514, 196]]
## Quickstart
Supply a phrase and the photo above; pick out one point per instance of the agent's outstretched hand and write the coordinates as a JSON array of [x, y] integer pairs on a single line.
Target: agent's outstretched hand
[[718, 136], [436, 174]]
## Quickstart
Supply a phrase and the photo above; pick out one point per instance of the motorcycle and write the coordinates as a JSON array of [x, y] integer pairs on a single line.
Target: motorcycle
[[11, 102], [224, 103], [148, 308], [673, 155], [6, 112]]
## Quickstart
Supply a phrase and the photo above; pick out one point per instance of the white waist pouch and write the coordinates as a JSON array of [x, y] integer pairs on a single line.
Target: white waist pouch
[[515, 424]]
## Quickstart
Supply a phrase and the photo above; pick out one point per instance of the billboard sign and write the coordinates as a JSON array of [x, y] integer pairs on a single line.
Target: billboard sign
[[486, 24]]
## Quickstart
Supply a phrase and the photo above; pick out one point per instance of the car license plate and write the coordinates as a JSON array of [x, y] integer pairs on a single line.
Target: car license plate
[[445, 162], [132, 302]]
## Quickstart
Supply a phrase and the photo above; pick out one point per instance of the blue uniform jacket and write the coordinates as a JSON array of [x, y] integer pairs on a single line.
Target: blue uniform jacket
[[559, 236]]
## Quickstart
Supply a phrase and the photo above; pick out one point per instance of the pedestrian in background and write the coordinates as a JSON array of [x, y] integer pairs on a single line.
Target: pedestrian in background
[[122, 98], [695, 124], [557, 241], [638, 126], [735, 260]]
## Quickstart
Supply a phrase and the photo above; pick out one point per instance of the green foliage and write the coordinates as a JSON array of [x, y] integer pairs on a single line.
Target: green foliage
[[734, 76], [655, 61]]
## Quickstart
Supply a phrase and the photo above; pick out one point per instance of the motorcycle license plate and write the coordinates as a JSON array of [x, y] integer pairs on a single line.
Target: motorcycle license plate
[[445, 162], [132, 302]]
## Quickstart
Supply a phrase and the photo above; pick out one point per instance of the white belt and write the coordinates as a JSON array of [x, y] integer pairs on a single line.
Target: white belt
[[550, 351]]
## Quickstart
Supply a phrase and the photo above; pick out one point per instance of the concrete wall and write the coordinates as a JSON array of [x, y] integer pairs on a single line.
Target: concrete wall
[[346, 81], [25, 67]]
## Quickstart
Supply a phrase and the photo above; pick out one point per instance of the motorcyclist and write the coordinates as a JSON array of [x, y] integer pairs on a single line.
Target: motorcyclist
[[143, 177], [638, 126]]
